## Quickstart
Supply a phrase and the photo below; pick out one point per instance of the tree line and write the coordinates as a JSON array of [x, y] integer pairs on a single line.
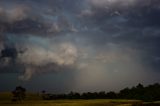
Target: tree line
[[139, 92]]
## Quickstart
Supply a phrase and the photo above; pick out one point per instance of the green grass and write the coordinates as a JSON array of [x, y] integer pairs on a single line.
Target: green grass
[[35, 100], [69, 103]]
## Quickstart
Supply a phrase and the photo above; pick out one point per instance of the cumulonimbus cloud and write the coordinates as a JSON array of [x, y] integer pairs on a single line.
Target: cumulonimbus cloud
[[99, 22]]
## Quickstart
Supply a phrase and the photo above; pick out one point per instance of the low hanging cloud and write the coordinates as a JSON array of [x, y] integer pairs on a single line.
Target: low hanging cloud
[[63, 55], [37, 55]]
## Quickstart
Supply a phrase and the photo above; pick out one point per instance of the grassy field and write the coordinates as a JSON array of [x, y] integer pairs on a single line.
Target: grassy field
[[35, 100], [71, 103]]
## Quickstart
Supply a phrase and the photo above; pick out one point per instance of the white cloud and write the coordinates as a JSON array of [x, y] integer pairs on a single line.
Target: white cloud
[[63, 54]]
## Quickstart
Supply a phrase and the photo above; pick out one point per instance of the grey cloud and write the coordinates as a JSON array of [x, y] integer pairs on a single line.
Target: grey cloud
[[30, 19], [90, 27]]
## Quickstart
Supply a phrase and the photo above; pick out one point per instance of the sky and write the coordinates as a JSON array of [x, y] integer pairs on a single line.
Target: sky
[[79, 45]]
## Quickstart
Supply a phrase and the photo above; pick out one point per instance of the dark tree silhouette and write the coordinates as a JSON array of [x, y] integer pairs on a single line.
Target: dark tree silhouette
[[111, 95], [43, 94], [46, 96], [139, 92], [19, 93]]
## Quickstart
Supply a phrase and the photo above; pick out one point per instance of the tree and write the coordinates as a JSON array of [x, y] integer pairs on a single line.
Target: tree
[[43, 94], [111, 95], [19, 93]]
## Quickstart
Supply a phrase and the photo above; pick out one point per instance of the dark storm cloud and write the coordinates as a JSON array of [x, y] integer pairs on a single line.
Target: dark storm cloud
[[9, 52], [34, 17], [51, 32], [28, 26], [141, 14], [137, 20], [133, 23], [19, 19]]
